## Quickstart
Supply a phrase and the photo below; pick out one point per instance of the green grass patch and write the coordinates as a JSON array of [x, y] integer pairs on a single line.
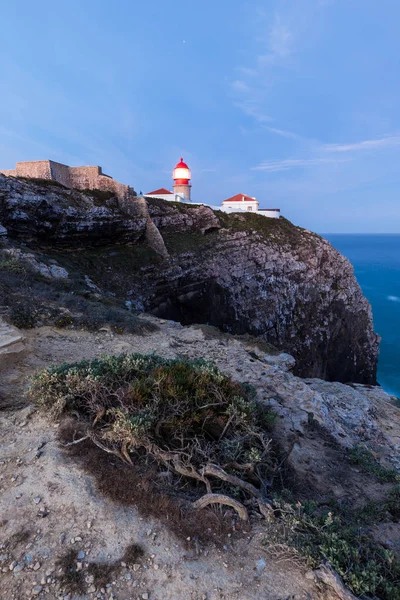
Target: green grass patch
[[364, 459], [321, 533]]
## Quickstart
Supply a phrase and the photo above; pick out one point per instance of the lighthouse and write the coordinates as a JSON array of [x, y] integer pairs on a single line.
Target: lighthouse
[[181, 176]]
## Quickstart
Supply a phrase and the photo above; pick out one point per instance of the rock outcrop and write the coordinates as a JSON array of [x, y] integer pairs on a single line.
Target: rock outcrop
[[241, 273]]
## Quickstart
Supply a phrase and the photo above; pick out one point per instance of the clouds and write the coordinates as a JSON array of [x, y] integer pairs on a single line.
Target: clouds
[[375, 144], [274, 166]]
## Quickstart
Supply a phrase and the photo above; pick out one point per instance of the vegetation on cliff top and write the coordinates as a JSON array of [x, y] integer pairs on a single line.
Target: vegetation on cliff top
[[186, 436], [30, 300], [186, 416]]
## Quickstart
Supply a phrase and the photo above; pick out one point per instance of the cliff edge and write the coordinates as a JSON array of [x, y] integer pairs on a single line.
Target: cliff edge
[[240, 273]]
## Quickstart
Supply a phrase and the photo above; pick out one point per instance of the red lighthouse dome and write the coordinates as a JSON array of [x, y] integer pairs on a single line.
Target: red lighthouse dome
[[181, 174]]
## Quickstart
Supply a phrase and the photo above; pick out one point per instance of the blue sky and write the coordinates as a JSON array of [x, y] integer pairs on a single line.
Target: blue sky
[[296, 102]]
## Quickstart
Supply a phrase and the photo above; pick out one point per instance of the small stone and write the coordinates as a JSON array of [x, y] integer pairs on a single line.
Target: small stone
[[36, 566], [156, 567], [12, 565], [81, 555], [79, 566], [92, 589], [136, 567], [145, 596], [62, 538], [37, 499], [78, 538], [37, 589], [18, 568], [128, 576]]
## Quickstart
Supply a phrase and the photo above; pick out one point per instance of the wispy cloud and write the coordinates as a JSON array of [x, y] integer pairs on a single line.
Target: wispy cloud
[[274, 166], [283, 133], [280, 42], [250, 89], [383, 142]]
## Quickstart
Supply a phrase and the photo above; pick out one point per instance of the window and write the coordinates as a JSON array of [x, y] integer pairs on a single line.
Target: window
[[249, 208]]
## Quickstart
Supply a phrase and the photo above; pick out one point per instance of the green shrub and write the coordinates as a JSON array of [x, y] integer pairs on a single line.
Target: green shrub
[[63, 321], [363, 458], [393, 502], [321, 534], [184, 415], [12, 264], [23, 316]]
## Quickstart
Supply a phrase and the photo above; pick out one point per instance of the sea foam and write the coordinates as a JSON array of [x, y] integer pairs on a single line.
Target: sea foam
[[394, 298]]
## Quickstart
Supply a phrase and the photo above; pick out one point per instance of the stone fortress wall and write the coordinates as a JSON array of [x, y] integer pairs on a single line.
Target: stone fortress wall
[[81, 178]]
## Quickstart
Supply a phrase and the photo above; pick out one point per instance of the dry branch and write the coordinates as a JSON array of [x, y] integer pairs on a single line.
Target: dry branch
[[225, 500]]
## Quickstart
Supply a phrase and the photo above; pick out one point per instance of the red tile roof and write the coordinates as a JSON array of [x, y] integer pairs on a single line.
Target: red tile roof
[[162, 191], [239, 197]]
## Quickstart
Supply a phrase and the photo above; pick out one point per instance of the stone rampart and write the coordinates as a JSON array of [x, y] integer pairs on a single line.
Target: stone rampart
[[81, 178]]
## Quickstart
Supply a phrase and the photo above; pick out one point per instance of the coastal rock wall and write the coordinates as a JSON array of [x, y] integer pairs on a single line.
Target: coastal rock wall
[[241, 273]]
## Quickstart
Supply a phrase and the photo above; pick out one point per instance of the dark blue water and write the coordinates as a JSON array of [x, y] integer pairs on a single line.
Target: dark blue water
[[376, 262]]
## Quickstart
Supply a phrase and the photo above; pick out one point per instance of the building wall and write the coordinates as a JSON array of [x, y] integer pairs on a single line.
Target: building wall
[[272, 213], [81, 178], [241, 205], [60, 173], [39, 169]]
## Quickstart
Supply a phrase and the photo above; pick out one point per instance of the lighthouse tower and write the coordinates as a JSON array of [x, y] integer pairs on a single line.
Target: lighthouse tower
[[181, 176]]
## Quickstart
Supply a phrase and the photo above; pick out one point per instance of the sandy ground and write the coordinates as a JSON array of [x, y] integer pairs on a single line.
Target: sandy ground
[[48, 505]]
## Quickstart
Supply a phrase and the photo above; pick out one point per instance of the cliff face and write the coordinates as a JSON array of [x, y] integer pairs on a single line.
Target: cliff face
[[241, 273]]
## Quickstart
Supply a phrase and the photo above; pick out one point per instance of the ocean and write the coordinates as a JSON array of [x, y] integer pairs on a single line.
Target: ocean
[[376, 262]]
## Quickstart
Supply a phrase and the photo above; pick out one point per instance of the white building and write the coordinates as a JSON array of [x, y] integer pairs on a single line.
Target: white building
[[165, 194], [182, 193], [244, 203]]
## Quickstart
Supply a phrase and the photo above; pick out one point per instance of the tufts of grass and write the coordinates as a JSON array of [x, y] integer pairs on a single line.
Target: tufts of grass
[[364, 459], [43, 182], [393, 502], [100, 197], [73, 579], [322, 533], [32, 300], [23, 315], [14, 265]]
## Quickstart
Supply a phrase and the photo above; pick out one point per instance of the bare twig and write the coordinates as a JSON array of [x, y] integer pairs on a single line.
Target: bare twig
[[226, 501], [82, 439]]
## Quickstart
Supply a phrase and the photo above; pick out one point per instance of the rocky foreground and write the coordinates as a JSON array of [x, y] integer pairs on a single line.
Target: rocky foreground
[[241, 273], [48, 505]]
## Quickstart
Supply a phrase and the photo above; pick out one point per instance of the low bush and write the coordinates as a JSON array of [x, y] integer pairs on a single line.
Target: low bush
[[13, 264], [323, 533], [23, 315], [184, 415], [363, 458]]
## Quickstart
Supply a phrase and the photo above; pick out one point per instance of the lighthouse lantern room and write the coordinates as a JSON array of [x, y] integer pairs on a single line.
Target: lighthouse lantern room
[[182, 176]]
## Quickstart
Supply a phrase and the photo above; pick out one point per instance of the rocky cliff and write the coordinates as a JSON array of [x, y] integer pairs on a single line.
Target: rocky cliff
[[241, 273]]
